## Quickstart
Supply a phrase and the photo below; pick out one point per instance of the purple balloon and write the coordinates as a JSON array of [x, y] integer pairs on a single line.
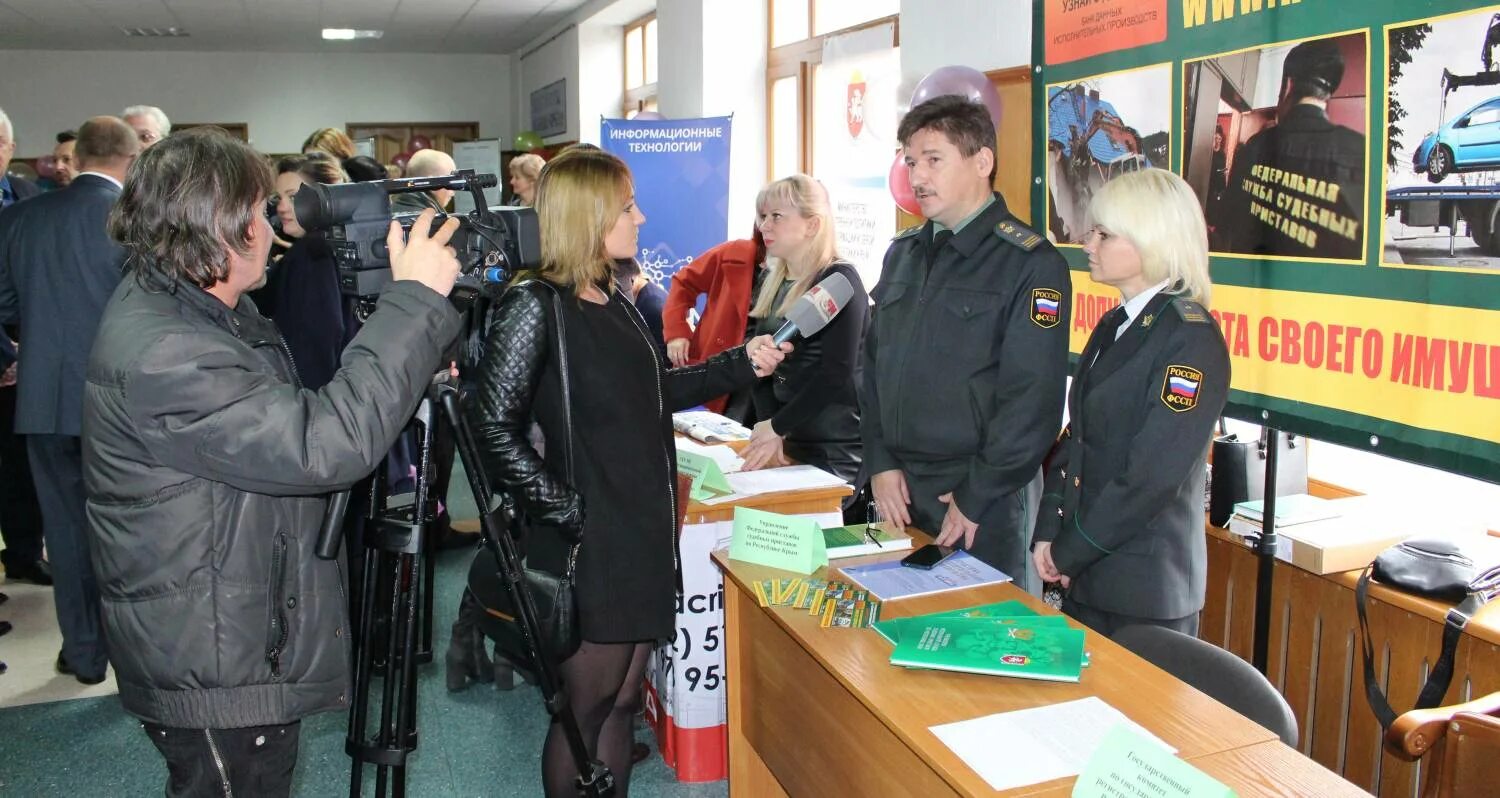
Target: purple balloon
[[963, 81], [648, 116]]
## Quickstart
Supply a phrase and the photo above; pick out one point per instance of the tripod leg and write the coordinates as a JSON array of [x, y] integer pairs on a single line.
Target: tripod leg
[[359, 705], [404, 733], [429, 574], [594, 779]]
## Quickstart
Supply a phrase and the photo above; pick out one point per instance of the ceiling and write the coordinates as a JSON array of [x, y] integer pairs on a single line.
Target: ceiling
[[455, 26]]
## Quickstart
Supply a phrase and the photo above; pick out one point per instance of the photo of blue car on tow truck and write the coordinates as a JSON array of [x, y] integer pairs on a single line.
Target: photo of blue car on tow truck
[[1442, 189]]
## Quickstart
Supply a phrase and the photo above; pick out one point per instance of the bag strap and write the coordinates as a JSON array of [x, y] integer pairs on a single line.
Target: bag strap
[[1442, 671], [559, 328]]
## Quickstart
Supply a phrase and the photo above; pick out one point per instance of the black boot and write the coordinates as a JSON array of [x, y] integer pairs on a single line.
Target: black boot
[[467, 660]]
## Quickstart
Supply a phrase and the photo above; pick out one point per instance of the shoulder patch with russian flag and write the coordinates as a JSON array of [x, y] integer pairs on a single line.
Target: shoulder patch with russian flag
[[1179, 388], [1046, 307]]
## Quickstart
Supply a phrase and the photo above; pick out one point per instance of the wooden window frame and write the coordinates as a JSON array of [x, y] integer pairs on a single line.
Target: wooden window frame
[[637, 98], [801, 59]]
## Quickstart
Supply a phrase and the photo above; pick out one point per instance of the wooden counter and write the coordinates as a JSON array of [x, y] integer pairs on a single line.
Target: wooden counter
[[816, 711], [790, 502], [1316, 662]]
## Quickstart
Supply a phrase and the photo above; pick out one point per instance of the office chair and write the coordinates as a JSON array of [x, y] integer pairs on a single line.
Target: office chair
[[1223, 676], [1459, 746]]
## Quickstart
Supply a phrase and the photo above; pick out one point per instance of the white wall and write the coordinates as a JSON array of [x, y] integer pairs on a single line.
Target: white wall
[[601, 78], [983, 34], [282, 96], [713, 63], [681, 40], [555, 60]]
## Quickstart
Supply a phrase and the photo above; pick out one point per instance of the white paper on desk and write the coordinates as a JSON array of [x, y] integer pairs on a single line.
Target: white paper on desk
[[1030, 746], [772, 480], [723, 456]]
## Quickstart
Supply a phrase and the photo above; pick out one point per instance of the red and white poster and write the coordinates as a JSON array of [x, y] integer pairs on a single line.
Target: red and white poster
[[1083, 28]]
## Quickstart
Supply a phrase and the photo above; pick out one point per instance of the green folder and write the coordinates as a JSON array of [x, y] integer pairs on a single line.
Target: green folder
[[890, 630], [978, 645]]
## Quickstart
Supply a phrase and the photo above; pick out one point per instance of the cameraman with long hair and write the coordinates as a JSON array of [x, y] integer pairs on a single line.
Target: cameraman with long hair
[[206, 465]]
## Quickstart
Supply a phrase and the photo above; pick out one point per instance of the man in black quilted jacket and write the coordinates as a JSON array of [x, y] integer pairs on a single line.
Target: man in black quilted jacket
[[207, 466]]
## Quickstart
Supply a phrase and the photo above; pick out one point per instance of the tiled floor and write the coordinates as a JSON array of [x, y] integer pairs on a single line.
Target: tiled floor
[[479, 742]]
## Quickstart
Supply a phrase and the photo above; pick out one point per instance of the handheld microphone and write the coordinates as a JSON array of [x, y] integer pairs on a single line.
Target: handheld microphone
[[814, 309]]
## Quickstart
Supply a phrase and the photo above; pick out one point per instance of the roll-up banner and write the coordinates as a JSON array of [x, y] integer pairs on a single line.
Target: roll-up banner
[[681, 169]]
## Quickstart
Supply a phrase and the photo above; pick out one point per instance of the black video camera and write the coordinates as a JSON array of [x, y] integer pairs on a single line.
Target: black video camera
[[491, 243]]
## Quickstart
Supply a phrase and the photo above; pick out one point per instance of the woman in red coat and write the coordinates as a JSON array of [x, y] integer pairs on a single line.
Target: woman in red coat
[[725, 273]]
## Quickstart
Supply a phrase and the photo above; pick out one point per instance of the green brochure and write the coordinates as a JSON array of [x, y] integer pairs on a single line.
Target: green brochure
[[979, 645], [780, 541], [708, 480], [1013, 609], [1130, 764]]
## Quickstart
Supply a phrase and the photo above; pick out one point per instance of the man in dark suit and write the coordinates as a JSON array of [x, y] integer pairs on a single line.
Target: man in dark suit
[[20, 515], [58, 269]]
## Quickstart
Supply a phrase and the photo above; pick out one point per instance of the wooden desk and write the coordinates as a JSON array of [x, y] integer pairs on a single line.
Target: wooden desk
[[789, 502], [1315, 659], [797, 690]]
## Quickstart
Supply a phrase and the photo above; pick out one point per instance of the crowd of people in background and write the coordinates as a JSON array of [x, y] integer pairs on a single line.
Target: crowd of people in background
[[233, 383]]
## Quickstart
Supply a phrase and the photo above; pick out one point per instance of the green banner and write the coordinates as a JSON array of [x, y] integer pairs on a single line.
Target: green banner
[[1347, 157]]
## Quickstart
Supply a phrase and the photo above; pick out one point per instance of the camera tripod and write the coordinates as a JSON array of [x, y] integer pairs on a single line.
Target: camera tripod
[[393, 570]]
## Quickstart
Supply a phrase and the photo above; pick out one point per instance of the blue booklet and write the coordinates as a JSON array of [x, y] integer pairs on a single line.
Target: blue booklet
[[892, 580]]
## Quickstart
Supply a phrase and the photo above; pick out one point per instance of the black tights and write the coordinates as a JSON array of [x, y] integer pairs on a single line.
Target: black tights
[[604, 685]]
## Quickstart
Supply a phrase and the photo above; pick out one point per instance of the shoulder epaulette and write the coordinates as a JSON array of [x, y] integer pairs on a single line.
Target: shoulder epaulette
[[1191, 312], [1018, 234], [907, 233]]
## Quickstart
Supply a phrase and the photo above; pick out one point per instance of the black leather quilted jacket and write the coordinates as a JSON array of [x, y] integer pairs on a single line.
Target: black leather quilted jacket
[[518, 353], [501, 414]]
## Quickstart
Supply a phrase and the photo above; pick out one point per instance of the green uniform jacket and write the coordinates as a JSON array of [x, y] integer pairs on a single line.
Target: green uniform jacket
[[966, 363], [1123, 505]]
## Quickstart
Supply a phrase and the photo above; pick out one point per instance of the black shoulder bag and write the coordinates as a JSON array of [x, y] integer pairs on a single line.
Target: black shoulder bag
[[1438, 569], [551, 594]]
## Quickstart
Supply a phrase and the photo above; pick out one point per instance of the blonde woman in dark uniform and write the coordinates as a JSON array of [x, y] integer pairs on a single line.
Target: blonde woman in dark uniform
[[1121, 521]]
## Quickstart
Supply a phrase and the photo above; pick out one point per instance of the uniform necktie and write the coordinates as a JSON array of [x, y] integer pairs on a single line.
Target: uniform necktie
[[1109, 327], [939, 240]]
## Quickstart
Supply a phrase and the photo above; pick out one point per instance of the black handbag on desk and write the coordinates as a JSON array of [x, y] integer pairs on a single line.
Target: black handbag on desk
[[1239, 472], [1439, 569], [551, 594]]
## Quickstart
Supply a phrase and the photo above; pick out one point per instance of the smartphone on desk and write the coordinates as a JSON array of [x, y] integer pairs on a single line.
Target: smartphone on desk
[[928, 556]]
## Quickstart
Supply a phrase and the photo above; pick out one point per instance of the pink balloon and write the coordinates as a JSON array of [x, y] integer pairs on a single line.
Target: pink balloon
[[46, 166], [418, 142], [648, 116], [961, 80], [899, 180]]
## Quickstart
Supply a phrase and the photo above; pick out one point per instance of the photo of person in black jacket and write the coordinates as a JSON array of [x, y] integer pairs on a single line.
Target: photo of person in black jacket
[[809, 410], [207, 467], [603, 399], [1121, 519]]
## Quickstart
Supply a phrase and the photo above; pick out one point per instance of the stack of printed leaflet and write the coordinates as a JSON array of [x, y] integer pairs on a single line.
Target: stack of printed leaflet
[[857, 540], [837, 605], [709, 427], [1003, 639]]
